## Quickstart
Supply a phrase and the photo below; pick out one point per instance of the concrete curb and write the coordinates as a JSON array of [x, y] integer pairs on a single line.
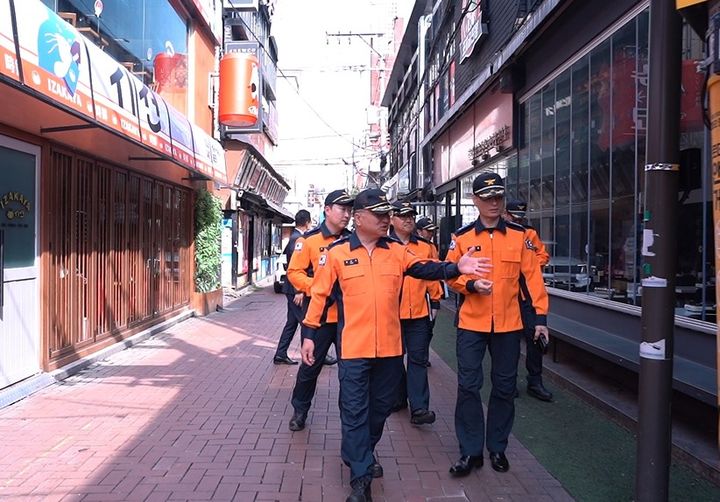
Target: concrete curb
[[33, 384]]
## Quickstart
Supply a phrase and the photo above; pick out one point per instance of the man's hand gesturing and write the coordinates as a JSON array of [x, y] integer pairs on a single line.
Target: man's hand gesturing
[[471, 265]]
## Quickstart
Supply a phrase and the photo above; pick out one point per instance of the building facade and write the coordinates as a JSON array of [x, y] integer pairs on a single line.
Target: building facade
[[254, 216], [553, 96], [103, 139]]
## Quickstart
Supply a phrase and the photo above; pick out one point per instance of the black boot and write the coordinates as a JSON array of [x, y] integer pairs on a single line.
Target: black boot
[[361, 491]]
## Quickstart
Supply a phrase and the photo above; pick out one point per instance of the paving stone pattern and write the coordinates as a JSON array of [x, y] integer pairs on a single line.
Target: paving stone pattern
[[200, 413]]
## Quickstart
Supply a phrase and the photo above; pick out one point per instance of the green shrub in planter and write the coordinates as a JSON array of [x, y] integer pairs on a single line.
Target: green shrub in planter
[[208, 214]]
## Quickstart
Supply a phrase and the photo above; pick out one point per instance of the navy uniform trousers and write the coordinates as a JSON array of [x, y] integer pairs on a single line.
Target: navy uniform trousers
[[294, 318], [416, 334], [307, 376], [469, 417], [368, 389], [533, 357]]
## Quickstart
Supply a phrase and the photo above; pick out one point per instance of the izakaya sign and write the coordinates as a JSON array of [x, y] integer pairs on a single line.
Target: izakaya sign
[[58, 62], [472, 28]]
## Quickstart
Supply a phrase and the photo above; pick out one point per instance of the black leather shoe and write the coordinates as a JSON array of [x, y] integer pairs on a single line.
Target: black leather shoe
[[297, 422], [465, 464], [538, 391], [499, 462], [376, 470], [283, 360], [399, 406], [361, 491], [329, 361], [420, 417]]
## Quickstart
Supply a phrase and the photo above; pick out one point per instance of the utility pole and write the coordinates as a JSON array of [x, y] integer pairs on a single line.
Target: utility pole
[[659, 252]]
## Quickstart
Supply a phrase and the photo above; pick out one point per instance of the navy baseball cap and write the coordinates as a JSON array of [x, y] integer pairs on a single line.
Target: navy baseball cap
[[339, 197], [517, 208], [426, 224], [403, 209], [374, 200], [488, 185]]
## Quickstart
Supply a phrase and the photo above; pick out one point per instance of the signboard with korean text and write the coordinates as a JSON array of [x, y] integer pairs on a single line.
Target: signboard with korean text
[[60, 63], [8, 58], [472, 28], [54, 57], [115, 93], [209, 155], [154, 121], [181, 135]]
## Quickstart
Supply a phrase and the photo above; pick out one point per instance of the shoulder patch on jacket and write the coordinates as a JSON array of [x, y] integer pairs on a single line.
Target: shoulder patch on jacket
[[452, 245], [465, 228], [530, 245], [322, 260], [298, 245], [515, 226]]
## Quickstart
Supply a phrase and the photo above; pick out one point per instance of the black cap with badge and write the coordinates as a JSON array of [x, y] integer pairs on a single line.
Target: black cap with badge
[[516, 207], [403, 209], [488, 185], [426, 224], [339, 197], [374, 200]]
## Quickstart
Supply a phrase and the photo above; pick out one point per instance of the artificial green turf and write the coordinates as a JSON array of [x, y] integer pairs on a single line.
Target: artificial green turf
[[592, 456]]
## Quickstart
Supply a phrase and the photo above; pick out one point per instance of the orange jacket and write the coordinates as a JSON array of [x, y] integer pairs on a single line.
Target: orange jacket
[[514, 266], [416, 292], [304, 261], [366, 288]]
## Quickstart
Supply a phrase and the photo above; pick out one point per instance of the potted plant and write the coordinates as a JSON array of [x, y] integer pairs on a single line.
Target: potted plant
[[208, 294]]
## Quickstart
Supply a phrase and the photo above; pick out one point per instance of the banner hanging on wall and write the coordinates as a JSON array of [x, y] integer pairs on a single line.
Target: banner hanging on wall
[[53, 56], [62, 65]]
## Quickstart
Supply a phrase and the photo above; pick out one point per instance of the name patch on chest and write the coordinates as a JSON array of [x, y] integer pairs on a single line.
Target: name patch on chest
[[353, 261]]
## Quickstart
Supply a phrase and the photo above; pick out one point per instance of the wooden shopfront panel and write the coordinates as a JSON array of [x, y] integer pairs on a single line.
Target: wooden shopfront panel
[[118, 254]]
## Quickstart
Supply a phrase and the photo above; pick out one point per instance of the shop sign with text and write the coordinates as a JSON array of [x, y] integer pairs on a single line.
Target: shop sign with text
[[472, 29], [62, 65]]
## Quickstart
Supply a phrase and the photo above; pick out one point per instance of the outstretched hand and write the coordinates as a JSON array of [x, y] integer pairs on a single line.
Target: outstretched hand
[[471, 265]]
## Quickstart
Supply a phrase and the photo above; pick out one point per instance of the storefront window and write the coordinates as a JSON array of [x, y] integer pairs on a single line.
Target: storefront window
[[147, 36], [581, 169]]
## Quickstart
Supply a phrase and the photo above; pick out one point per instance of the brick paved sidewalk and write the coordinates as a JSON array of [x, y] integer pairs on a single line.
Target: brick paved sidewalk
[[200, 413]]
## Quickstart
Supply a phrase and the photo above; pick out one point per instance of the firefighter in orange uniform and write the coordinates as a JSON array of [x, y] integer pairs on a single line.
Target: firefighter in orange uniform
[[300, 273], [515, 212], [489, 318], [363, 275], [419, 304]]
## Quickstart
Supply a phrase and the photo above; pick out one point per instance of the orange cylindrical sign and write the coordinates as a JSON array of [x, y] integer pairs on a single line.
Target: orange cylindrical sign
[[239, 86]]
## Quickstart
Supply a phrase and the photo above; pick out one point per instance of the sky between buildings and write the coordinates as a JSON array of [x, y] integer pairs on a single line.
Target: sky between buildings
[[328, 74]]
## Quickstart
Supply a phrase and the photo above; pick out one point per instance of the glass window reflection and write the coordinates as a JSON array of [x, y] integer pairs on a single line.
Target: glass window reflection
[[581, 168]]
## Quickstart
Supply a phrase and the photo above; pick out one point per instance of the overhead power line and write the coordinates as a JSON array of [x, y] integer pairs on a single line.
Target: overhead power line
[[297, 91]]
